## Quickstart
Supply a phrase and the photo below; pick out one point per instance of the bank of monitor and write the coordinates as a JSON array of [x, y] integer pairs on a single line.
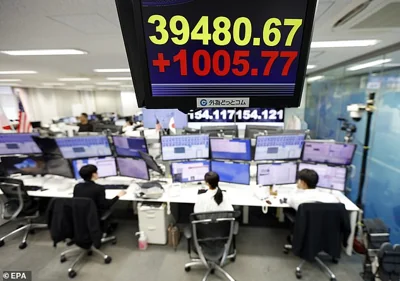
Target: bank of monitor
[[33, 165], [332, 177], [84, 147], [276, 173], [18, 144], [328, 152], [130, 146], [252, 131], [134, 168], [106, 166], [220, 131], [189, 171], [185, 147], [279, 147], [238, 173], [231, 149]]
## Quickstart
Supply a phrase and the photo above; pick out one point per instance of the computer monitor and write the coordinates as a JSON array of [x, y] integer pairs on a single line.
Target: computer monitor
[[276, 173], [47, 145], [134, 168], [279, 147], [329, 176], [252, 131], [33, 165], [56, 165], [18, 144], [150, 162], [129, 146], [84, 147], [238, 173], [185, 147], [163, 117], [231, 149], [106, 166], [220, 131], [328, 152], [189, 171], [36, 124]]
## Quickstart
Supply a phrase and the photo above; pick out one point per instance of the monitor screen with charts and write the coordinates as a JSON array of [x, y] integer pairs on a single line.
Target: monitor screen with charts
[[185, 147], [329, 152], [329, 177], [130, 146], [18, 144], [106, 166], [134, 168], [84, 147], [279, 147], [34, 165], [276, 173], [238, 173], [189, 171], [231, 149]]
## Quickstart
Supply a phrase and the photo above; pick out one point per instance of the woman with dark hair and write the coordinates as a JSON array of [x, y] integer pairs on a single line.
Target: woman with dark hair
[[213, 199]]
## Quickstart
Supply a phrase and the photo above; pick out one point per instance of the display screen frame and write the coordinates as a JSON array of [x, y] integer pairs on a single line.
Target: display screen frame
[[131, 20], [248, 164], [278, 163], [184, 162], [279, 159], [328, 163]]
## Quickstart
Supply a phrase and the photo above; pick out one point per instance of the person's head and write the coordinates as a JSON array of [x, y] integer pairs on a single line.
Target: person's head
[[212, 180], [88, 173], [307, 179], [84, 118]]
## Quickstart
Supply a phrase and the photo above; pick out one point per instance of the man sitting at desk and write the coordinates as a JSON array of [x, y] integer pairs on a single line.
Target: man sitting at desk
[[84, 125], [89, 189], [213, 200], [306, 192]]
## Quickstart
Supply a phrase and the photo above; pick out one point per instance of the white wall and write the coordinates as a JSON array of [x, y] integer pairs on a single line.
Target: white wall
[[129, 104]]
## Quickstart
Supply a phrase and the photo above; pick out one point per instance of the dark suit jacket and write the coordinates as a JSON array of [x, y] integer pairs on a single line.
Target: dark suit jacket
[[85, 128], [97, 193], [320, 227]]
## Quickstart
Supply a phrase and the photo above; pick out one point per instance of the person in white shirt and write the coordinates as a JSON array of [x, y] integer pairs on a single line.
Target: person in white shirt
[[213, 200], [306, 192]]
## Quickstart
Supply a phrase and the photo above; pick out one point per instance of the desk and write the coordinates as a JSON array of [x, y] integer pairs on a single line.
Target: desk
[[239, 195]]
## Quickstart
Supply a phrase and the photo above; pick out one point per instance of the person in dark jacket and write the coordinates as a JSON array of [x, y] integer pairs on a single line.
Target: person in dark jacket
[[89, 189], [84, 125]]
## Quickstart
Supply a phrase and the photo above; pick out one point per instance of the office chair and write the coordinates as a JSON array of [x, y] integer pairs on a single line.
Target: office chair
[[17, 205], [313, 233], [81, 232], [212, 235]]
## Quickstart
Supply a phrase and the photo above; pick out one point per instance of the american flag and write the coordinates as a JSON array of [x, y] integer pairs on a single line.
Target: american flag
[[158, 125], [24, 124]]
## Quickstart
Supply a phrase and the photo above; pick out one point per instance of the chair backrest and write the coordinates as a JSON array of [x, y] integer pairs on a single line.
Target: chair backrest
[[213, 233], [15, 194]]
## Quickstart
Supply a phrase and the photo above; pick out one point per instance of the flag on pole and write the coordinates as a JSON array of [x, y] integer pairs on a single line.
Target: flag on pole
[[171, 126], [24, 124], [4, 122], [158, 125]]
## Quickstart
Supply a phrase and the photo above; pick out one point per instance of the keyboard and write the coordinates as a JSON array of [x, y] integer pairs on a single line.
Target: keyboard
[[115, 186], [32, 188]]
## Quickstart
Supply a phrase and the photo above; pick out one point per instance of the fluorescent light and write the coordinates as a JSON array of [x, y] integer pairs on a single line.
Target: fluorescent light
[[344, 43], [107, 83], [51, 52], [53, 84], [311, 66], [369, 64], [10, 80], [76, 79], [84, 86], [315, 78], [111, 70], [11, 72], [119, 78]]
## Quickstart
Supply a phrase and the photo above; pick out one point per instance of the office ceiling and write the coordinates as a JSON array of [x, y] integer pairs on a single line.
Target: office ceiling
[[93, 26]]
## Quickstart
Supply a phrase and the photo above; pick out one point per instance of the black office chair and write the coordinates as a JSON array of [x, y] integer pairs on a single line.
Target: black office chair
[[213, 236], [17, 205], [388, 262], [65, 222], [319, 227]]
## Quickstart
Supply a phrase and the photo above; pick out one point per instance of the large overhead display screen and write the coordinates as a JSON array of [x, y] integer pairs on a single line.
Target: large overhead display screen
[[226, 49]]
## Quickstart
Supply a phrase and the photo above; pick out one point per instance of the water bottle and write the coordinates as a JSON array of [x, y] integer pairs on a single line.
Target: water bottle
[[142, 241]]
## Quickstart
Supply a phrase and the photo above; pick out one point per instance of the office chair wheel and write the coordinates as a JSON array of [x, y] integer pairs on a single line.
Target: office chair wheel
[[32, 231], [63, 259], [212, 271], [335, 261], [298, 275], [113, 242], [285, 251], [90, 252], [107, 260], [233, 259], [71, 274], [2, 243], [187, 269], [333, 279], [22, 245]]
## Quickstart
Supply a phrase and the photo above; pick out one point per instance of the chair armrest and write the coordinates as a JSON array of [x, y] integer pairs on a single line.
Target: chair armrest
[[236, 228], [106, 215], [187, 231]]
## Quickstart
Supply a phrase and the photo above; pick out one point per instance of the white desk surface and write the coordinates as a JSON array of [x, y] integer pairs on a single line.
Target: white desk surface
[[240, 195]]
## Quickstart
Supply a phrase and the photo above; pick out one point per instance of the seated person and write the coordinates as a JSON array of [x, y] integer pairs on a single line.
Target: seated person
[[84, 125], [213, 200], [306, 192], [96, 192]]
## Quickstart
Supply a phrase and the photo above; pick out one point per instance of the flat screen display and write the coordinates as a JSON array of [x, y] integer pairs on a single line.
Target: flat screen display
[[279, 147], [328, 152], [238, 173], [106, 166], [134, 168], [84, 147], [329, 176], [276, 173], [129, 146], [34, 165], [185, 147], [230, 149], [18, 144], [225, 48], [189, 171]]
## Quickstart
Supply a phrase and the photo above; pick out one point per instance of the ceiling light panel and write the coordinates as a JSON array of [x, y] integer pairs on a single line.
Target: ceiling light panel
[[344, 44], [369, 64], [119, 78], [72, 79], [49, 52], [112, 70], [17, 72]]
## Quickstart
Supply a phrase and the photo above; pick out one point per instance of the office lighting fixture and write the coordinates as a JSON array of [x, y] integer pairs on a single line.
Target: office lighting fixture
[[311, 66], [368, 64], [111, 70], [11, 72], [315, 78], [10, 80], [50, 52], [344, 43], [76, 79], [119, 78]]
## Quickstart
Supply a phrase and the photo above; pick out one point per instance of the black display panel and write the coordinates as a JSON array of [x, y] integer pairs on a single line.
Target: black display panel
[[181, 50]]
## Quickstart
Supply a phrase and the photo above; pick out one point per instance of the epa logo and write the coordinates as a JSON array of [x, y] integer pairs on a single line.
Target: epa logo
[[17, 275], [203, 102]]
